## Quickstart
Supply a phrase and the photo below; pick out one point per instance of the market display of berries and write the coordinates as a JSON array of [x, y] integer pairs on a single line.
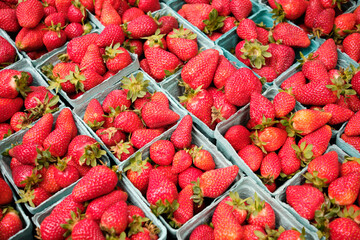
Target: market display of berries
[[274, 150], [83, 66], [96, 209], [130, 117], [10, 220], [329, 197], [178, 164], [48, 160], [39, 27], [249, 218], [22, 102]]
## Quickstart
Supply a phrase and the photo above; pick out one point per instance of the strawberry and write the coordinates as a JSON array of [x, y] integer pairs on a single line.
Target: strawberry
[[291, 35], [352, 127], [202, 159], [66, 206], [26, 153], [115, 218], [168, 23], [142, 26], [30, 39], [100, 180], [204, 65], [9, 107], [260, 107], [76, 12], [87, 229], [296, 80], [306, 121], [34, 197], [161, 62], [7, 195], [305, 200], [355, 82], [182, 160], [8, 20], [157, 116], [313, 10], [77, 47], [112, 34], [350, 44], [162, 152], [131, 14], [181, 137], [50, 227], [250, 231], [140, 137], [161, 191], [128, 121], [38, 133], [268, 73], [222, 108], [284, 103], [291, 234], [197, 13], [290, 9], [224, 70], [183, 43], [282, 57], [24, 172], [214, 182], [185, 211], [92, 60], [14, 82], [252, 156], [133, 212], [65, 174], [138, 172], [62, 6], [323, 23], [116, 98], [65, 122], [350, 164], [202, 231], [29, 13], [157, 40], [314, 93], [338, 114], [10, 223], [270, 139], [341, 228], [240, 85], [345, 189], [57, 141], [111, 136], [160, 99], [109, 15], [55, 19], [7, 53], [49, 182], [238, 136], [93, 115], [116, 58], [240, 9], [315, 71], [290, 163], [5, 130], [247, 29], [343, 22], [270, 167], [74, 30], [261, 214]]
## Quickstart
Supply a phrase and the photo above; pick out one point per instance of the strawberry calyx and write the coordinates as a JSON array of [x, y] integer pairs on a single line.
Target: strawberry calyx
[[278, 14], [288, 123], [216, 114], [315, 180], [214, 22], [136, 85], [155, 39], [304, 59], [169, 73], [27, 196], [129, 47], [236, 202], [194, 151], [95, 125], [86, 28], [266, 122], [110, 131], [64, 57], [183, 33], [32, 180], [153, 229], [329, 210], [9, 132], [341, 85], [9, 209], [47, 70], [70, 223], [136, 225], [42, 108], [257, 142], [255, 206], [164, 207], [92, 152], [304, 153], [351, 159], [22, 83], [189, 93], [198, 196], [349, 212], [75, 77], [43, 158], [23, 123], [137, 164], [77, 4], [255, 52], [120, 148], [112, 51], [267, 180], [122, 236], [62, 163]]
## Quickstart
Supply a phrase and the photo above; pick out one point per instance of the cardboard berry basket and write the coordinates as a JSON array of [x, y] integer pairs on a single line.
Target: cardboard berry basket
[[176, 5], [231, 39], [5, 165], [39, 60], [25, 65], [174, 91], [132, 199], [100, 26], [246, 187], [346, 147], [100, 96], [198, 139], [241, 118], [53, 59], [299, 180], [19, 56], [26, 232]]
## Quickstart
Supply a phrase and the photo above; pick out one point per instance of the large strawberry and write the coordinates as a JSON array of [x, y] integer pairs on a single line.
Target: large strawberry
[[291, 35], [157, 116], [181, 137], [29, 13], [345, 189], [142, 26], [183, 43], [8, 107]]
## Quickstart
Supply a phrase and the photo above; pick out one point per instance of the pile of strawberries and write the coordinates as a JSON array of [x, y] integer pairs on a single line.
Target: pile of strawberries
[[41, 27], [49, 160], [208, 103], [8, 53], [179, 163], [269, 52], [130, 117], [237, 218], [320, 86], [89, 60], [276, 143], [217, 17], [20, 102], [96, 209], [330, 196], [10, 221]]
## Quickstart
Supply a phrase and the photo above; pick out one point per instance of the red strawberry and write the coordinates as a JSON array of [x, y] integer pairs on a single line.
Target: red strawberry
[[183, 43], [65, 174], [291, 35], [24, 173], [111, 136], [76, 12], [344, 228], [292, 9], [8, 20], [112, 34], [5, 130], [149, 5], [240, 85], [34, 197], [55, 19], [323, 23], [30, 39], [222, 108], [100, 180], [270, 167], [109, 15], [29, 13], [50, 227], [290, 163], [350, 164], [307, 120], [246, 29], [93, 115], [6, 195], [350, 44], [168, 23], [116, 58], [352, 127], [338, 114], [182, 160], [345, 21], [9, 107], [224, 70], [270, 139], [202, 231], [14, 82], [260, 107], [290, 235], [181, 137], [138, 172], [313, 10], [131, 14], [162, 152], [305, 200], [238, 136], [296, 80], [140, 137], [26, 153], [39, 132], [263, 215], [185, 211], [10, 223], [65, 121], [157, 116], [315, 71], [142, 26], [284, 103], [7, 53], [116, 98], [115, 218], [252, 156], [345, 189], [77, 47], [128, 121], [92, 60], [197, 13], [87, 229], [66, 206], [240, 9], [189, 175], [49, 182]]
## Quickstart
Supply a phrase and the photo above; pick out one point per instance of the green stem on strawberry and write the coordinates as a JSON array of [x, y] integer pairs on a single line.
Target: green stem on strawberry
[[136, 85], [304, 153], [329, 209], [214, 22], [92, 152], [165, 207], [137, 225], [70, 223], [316, 181], [256, 53]]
